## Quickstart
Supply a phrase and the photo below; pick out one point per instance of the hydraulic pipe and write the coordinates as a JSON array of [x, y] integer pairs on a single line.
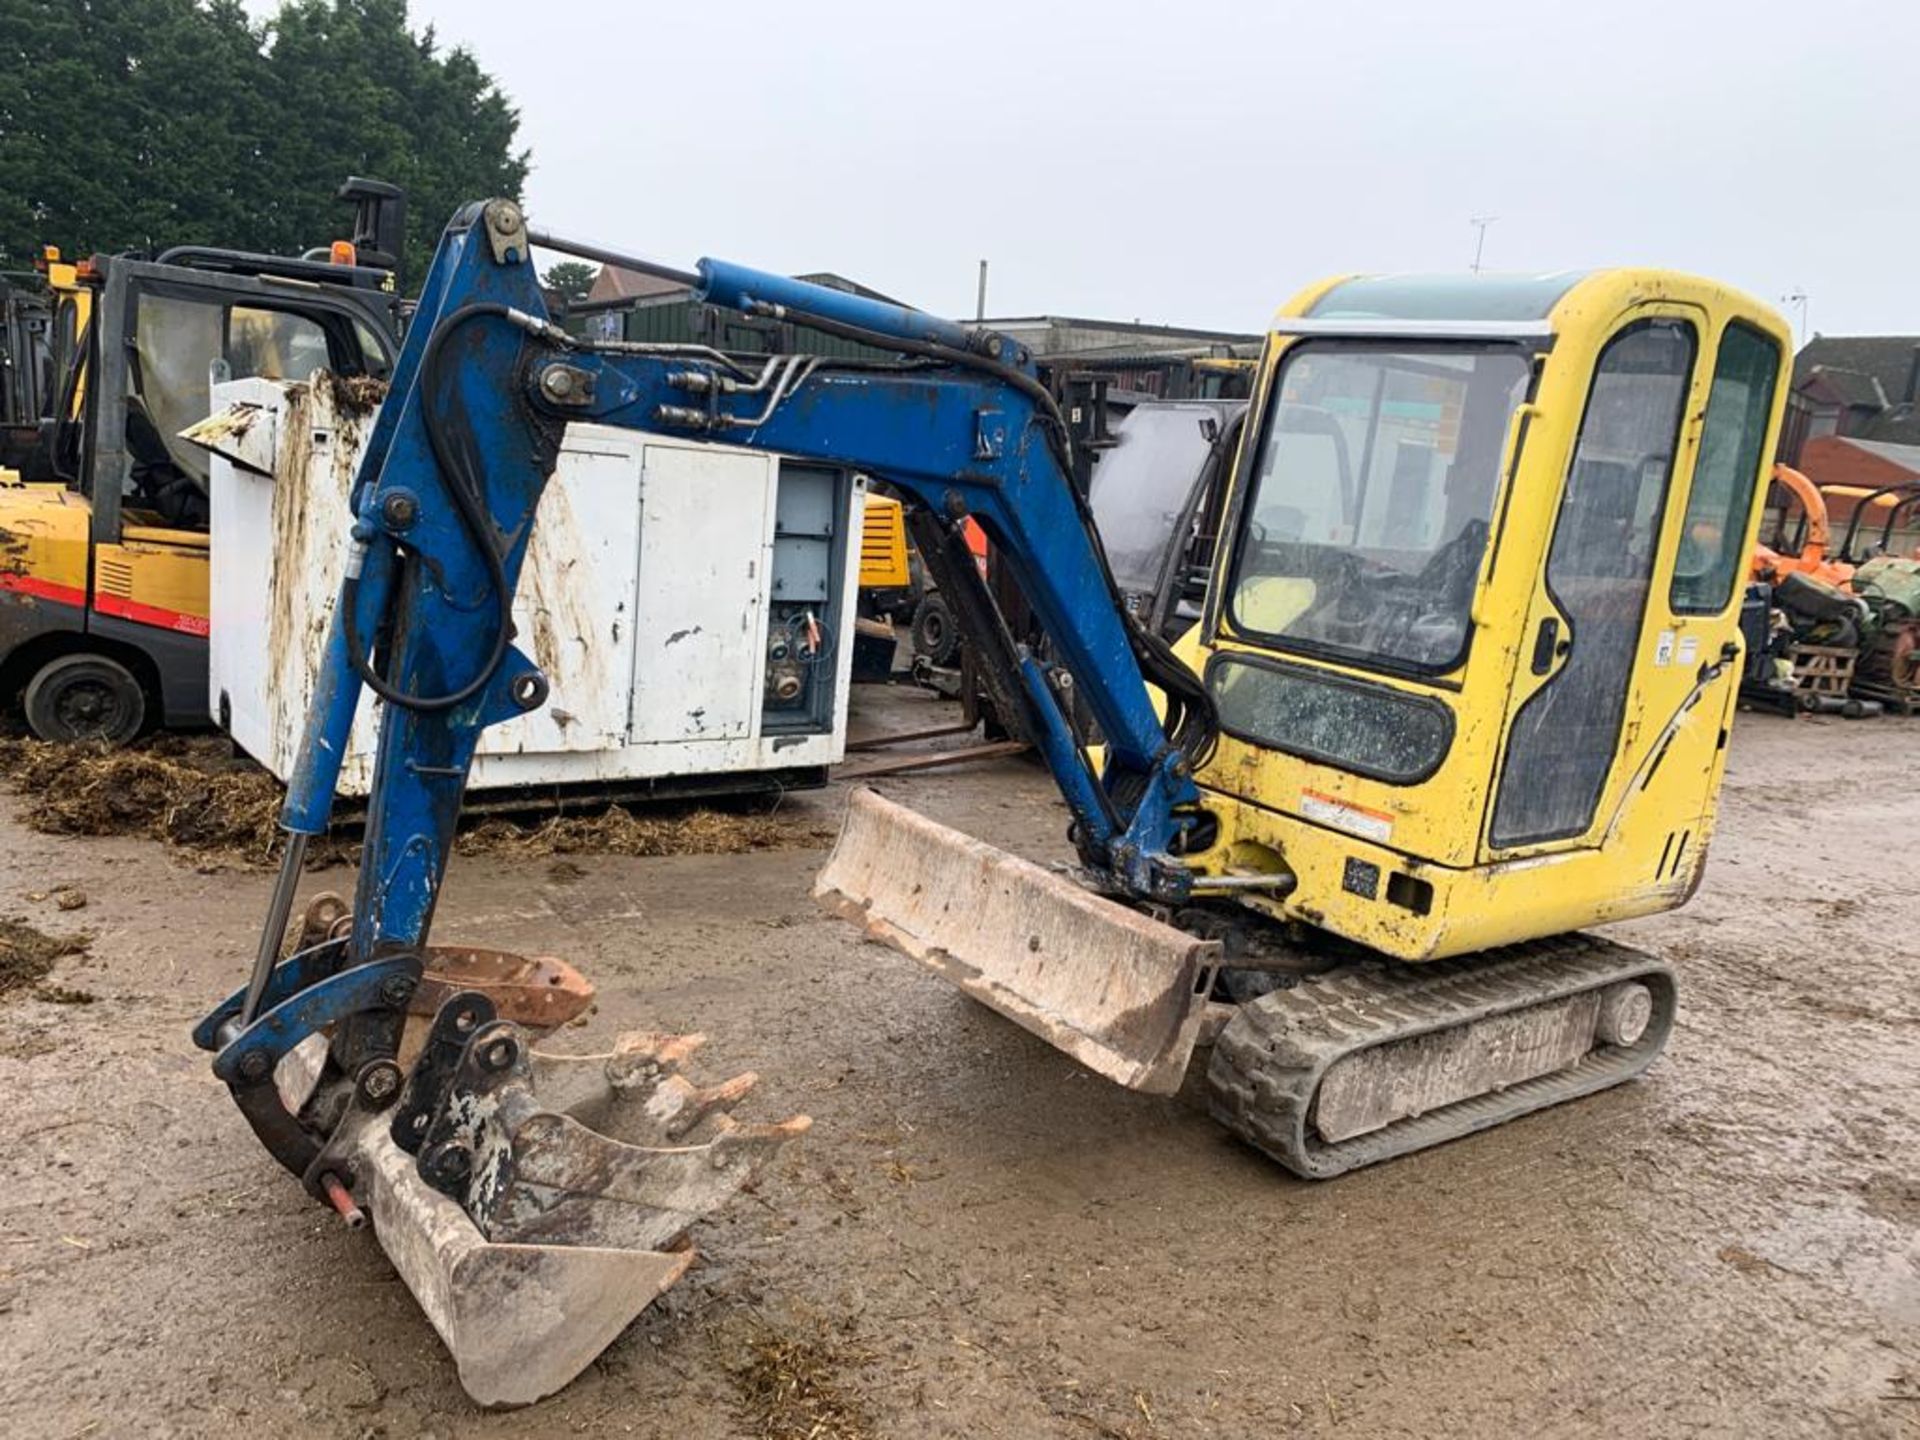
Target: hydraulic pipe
[[547, 241], [736, 287], [279, 911]]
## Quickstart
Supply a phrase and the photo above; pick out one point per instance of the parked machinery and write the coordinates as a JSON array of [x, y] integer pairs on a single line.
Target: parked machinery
[[1462, 685], [1814, 625], [1889, 667], [1812, 554], [103, 599], [26, 359]]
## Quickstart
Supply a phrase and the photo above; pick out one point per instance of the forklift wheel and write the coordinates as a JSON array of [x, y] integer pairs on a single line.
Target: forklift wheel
[[934, 633], [85, 697]]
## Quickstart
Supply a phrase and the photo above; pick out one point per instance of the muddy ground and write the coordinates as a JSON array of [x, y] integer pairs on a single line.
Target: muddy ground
[[981, 1240]]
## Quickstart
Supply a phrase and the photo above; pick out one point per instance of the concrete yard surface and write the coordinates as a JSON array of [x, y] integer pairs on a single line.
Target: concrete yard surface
[[978, 1238]]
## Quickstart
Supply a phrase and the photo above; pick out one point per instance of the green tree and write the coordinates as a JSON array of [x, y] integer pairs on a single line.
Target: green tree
[[572, 278], [127, 122], [134, 123], [357, 92]]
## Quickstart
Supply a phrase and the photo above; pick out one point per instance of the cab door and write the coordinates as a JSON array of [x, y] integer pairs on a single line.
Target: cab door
[[1589, 617]]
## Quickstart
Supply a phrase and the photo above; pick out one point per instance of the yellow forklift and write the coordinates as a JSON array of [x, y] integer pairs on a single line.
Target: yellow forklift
[[103, 520]]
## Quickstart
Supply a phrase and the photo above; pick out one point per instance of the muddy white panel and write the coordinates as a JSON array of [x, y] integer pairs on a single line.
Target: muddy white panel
[[574, 609], [700, 632], [275, 555]]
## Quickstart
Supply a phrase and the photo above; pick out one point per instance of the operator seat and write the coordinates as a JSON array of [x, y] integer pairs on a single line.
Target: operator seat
[[161, 485]]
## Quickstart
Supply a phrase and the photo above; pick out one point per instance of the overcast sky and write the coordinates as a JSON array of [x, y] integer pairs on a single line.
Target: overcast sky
[[1196, 163]]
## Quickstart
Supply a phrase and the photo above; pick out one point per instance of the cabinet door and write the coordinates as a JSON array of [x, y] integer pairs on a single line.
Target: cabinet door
[[699, 623]]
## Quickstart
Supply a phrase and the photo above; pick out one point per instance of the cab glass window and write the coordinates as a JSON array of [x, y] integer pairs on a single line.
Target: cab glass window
[[373, 354], [1359, 725], [273, 344], [176, 342], [1599, 573], [1733, 437], [1372, 493]]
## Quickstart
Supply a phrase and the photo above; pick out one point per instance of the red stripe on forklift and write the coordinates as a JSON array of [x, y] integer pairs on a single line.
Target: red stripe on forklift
[[140, 614], [41, 589]]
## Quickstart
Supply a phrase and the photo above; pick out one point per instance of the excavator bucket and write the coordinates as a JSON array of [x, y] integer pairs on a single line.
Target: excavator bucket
[[535, 1203], [1123, 994]]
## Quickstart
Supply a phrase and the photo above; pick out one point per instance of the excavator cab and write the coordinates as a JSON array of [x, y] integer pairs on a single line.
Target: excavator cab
[[1471, 641]]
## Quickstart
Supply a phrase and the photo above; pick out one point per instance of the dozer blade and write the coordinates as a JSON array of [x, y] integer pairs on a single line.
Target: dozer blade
[[536, 1203], [1121, 993]]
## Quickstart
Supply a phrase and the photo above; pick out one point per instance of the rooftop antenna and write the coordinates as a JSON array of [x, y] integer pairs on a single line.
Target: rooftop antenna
[[1798, 299], [1480, 223]]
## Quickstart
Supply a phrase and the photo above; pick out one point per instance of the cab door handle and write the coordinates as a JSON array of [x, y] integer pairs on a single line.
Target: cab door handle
[[1546, 644]]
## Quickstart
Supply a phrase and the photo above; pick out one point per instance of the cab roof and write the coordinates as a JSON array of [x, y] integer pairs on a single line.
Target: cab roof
[[1445, 297], [1502, 306]]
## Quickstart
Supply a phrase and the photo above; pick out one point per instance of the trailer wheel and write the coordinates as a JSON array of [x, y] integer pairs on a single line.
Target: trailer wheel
[[85, 697], [934, 633]]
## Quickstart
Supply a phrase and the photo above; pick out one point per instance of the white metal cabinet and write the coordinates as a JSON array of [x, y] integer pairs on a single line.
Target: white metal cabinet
[[644, 599], [576, 591]]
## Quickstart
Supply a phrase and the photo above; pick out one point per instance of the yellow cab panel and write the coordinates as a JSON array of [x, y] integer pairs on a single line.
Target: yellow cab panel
[[1473, 628]]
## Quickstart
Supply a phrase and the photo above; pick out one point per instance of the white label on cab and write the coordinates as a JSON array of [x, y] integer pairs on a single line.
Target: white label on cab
[[1374, 825]]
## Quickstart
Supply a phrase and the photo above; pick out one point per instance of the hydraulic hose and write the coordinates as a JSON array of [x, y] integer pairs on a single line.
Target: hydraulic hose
[[460, 470]]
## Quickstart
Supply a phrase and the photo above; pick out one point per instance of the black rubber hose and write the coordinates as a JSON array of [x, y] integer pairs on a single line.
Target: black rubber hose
[[459, 468]]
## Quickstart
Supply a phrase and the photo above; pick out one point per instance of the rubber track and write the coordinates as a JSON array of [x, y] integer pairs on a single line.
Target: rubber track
[[1269, 1060]]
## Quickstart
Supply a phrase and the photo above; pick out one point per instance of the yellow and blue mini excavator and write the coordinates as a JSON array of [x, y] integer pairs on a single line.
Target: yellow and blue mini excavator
[[1461, 687]]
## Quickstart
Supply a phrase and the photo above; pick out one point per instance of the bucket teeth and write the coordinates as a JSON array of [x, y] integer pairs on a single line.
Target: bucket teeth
[[637, 1049], [636, 1090], [685, 1111]]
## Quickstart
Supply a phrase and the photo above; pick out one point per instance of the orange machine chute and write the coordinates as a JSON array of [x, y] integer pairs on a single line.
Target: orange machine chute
[[1771, 566]]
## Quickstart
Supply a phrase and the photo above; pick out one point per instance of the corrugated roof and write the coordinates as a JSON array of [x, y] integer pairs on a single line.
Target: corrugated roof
[[1126, 327]]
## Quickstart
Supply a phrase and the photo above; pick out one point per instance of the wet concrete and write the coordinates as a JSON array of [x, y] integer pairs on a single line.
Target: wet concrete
[[1729, 1247]]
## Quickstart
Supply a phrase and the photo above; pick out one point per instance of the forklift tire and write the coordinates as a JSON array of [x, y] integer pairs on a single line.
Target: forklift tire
[[85, 697], [934, 633]]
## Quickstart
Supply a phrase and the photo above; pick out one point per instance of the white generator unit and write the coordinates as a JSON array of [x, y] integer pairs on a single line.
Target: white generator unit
[[691, 605]]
